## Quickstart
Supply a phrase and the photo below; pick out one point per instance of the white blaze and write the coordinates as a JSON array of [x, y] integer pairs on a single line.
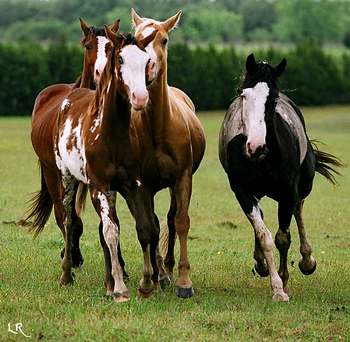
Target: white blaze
[[133, 71], [254, 126], [101, 59]]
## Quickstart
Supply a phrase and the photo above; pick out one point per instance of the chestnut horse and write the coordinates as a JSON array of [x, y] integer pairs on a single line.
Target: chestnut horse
[[44, 122], [172, 144], [96, 146], [265, 151]]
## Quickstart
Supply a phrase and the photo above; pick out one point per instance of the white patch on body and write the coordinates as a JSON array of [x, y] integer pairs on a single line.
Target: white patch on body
[[65, 104], [254, 126], [70, 154], [288, 113]]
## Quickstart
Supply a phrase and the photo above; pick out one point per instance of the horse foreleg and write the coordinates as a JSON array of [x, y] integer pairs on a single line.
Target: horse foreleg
[[110, 232], [283, 238], [251, 208], [260, 264], [307, 264], [182, 192], [147, 236], [169, 260]]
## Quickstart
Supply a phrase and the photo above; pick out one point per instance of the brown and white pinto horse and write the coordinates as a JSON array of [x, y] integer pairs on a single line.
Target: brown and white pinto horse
[[44, 122], [172, 144], [95, 145]]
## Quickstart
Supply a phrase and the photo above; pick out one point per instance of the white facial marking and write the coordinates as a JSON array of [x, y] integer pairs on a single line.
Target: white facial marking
[[138, 183], [254, 126], [133, 72], [101, 59]]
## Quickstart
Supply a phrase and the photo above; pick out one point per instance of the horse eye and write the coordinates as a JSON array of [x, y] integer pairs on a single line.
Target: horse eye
[[165, 41], [120, 60], [87, 47], [242, 96]]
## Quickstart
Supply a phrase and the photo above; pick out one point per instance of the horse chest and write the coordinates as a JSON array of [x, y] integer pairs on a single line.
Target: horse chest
[[158, 169]]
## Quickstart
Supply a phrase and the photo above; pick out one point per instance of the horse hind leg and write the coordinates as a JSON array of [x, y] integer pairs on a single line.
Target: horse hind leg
[[80, 191], [168, 239], [68, 195], [307, 264]]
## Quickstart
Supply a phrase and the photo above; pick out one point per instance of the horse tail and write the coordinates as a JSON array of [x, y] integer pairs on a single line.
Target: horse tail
[[40, 209], [80, 198], [164, 236], [325, 163]]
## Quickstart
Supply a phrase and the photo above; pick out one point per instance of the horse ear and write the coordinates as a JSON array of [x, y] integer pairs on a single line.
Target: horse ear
[[172, 22], [280, 67], [250, 64], [148, 39], [135, 18], [115, 38], [84, 27], [115, 26]]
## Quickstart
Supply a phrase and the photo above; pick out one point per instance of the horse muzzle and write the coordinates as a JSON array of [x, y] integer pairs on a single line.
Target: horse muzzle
[[255, 151], [139, 99]]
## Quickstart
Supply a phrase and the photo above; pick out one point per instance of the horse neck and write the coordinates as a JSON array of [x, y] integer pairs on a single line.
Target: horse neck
[[159, 112], [86, 80], [115, 111]]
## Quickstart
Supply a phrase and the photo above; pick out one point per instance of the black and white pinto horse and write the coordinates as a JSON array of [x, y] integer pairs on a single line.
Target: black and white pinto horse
[[265, 151]]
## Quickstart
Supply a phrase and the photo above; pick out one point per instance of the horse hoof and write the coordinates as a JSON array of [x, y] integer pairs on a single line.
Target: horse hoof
[[66, 280], [164, 282], [262, 272], [144, 294], [184, 291], [307, 271], [280, 297], [121, 297]]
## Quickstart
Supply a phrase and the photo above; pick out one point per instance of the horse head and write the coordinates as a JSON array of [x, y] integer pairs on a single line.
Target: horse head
[[97, 47], [259, 93], [133, 66], [158, 49]]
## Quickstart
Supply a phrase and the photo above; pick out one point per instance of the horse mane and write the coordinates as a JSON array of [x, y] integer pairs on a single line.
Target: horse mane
[[106, 76], [264, 73], [95, 32], [145, 22]]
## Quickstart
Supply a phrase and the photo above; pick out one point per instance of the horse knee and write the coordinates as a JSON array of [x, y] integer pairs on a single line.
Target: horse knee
[[282, 240], [182, 223]]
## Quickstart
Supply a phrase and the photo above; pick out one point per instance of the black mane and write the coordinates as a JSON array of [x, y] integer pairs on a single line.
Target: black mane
[[264, 72]]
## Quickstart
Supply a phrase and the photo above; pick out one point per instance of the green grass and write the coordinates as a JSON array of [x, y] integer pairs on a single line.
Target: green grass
[[230, 303]]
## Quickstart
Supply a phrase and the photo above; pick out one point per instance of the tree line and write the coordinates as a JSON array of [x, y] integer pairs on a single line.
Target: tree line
[[209, 75], [202, 21]]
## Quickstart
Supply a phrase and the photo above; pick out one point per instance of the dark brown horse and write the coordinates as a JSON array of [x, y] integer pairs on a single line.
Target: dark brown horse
[[172, 143], [96, 146], [44, 121]]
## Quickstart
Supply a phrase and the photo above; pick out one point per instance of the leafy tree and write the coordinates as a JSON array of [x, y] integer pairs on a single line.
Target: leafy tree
[[300, 19]]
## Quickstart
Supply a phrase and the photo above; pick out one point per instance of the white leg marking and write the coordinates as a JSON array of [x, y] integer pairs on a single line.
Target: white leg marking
[[111, 236], [266, 244]]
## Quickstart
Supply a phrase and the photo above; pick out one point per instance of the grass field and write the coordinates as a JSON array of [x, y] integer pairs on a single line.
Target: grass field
[[230, 302]]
